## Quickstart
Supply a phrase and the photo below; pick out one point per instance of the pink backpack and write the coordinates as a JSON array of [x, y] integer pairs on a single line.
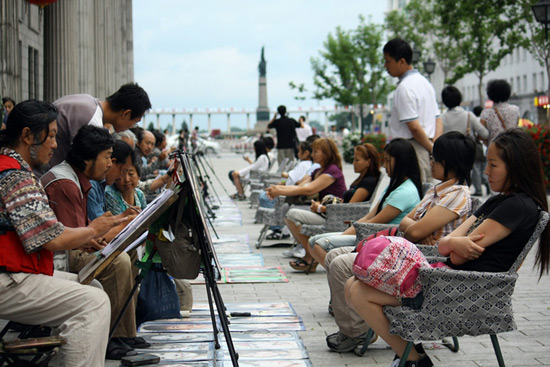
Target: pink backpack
[[390, 264]]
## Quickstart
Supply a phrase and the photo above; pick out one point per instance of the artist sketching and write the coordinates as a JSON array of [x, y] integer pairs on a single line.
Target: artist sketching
[[30, 232], [67, 186]]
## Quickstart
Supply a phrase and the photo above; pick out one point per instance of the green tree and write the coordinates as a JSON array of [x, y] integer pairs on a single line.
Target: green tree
[[349, 69], [417, 25], [341, 120], [482, 31], [151, 126], [317, 125], [184, 126], [536, 41]]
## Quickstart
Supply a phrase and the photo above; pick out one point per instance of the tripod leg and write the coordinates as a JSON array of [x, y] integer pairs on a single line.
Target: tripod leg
[[139, 278], [225, 325], [213, 316]]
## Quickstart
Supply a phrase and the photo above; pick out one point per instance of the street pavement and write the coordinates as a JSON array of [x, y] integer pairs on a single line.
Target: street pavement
[[529, 345]]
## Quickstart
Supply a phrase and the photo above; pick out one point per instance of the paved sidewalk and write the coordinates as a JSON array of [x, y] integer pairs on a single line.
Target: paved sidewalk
[[527, 346]]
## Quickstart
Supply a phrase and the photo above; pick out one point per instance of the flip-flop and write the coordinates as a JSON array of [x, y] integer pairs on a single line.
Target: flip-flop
[[302, 265]]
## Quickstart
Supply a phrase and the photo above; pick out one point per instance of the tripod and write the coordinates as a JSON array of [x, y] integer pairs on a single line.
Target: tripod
[[209, 263], [215, 175], [200, 158]]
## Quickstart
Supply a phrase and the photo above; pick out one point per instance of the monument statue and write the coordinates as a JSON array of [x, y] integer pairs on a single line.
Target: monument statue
[[261, 66], [262, 112]]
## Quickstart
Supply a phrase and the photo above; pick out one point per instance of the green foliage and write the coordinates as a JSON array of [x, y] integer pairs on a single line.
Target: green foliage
[[341, 120], [357, 138], [184, 126], [151, 126], [541, 136], [483, 31], [377, 140], [348, 144], [349, 69], [317, 125]]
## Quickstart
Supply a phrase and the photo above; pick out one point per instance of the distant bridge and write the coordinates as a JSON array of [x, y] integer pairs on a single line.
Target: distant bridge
[[244, 111]]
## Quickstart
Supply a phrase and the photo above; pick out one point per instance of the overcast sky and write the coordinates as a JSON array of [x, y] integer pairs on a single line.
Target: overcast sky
[[191, 54]]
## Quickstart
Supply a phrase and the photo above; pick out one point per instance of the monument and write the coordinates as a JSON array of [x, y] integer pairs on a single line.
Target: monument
[[262, 112]]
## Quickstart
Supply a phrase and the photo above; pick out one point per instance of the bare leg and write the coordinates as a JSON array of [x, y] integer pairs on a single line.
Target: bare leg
[[237, 182], [368, 303], [303, 239], [319, 254]]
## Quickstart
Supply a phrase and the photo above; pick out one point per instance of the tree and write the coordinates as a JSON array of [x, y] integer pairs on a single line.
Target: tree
[[482, 31], [184, 126], [151, 126], [341, 120], [417, 25], [349, 69], [536, 41]]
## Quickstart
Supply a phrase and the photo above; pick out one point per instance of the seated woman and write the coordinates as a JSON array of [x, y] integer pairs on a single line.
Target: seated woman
[[261, 163], [443, 208], [327, 180], [399, 198], [490, 240], [293, 177], [124, 193], [365, 163]]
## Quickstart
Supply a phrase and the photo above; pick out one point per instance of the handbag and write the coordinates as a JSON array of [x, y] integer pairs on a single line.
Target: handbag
[[181, 257], [390, 264], [157, 298]]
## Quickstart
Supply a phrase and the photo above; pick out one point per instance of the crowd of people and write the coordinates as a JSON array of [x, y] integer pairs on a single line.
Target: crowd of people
[[431, 161], [75, 172]]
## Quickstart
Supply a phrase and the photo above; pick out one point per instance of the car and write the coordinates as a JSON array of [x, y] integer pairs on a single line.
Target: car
[[204, 145], [208, 146]]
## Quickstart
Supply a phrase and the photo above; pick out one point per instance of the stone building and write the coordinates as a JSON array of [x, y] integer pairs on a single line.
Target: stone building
[[76, 46]]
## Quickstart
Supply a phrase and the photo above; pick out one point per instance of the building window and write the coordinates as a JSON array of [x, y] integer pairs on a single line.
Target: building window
[[535, 82], [525, 83], [518, 84]]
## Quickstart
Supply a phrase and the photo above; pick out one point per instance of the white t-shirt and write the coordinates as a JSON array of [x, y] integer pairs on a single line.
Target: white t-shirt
[[303, 132], [298, 172], [261, 164], [414, 99]]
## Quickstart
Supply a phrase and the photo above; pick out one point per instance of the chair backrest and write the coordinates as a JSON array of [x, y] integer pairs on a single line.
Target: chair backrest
[[425, 187], [383, 182], [476, 203], [541, 225]]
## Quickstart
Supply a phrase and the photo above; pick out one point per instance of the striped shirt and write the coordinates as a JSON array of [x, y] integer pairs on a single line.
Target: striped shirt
[[455, 198], [24, 206]]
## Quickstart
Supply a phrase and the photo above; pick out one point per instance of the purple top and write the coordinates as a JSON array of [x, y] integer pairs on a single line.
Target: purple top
[[338, 187]]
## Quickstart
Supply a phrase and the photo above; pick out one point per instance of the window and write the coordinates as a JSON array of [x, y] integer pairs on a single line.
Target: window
[[518, 84], [525, 83], [535, 88]]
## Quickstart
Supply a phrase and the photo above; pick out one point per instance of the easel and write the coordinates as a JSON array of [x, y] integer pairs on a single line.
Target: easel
[[210, 267]]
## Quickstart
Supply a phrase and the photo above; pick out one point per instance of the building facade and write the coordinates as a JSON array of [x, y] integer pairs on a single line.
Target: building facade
[[77, 46], [526, 76]]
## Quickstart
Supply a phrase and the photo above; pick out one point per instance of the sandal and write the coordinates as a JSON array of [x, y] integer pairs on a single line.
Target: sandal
[[302, 265]]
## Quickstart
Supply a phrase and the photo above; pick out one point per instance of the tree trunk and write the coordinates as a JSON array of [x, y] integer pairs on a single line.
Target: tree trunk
[[480, 91], [547, 62]]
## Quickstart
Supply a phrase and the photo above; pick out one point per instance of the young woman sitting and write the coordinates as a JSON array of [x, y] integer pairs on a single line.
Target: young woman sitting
[[490, 240], [327, 180], [443, 209], [399, 198], [365, 163], [261, 163]]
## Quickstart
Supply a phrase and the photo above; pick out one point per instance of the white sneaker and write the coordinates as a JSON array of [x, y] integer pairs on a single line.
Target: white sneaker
[[296, 251]]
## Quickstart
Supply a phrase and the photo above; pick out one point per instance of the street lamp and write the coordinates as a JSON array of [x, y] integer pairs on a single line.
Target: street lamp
[[429, 68], [415, 55], [541, 10]]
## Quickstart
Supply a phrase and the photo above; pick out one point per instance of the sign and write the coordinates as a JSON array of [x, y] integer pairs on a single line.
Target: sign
[[541, 101]]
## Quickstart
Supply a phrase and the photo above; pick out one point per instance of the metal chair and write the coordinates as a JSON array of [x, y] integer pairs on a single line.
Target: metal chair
[[458, 303], [271, 217]]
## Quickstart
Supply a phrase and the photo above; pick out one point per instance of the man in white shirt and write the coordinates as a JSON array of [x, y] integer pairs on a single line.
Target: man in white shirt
[[415, 114], [303, 132]]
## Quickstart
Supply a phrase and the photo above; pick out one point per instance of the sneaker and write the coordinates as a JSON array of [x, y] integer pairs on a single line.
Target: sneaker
[[296, 251], [341, 343]]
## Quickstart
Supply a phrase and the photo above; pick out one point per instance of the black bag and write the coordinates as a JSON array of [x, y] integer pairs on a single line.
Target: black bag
[[157, 297], [480, 156], [181, 257]]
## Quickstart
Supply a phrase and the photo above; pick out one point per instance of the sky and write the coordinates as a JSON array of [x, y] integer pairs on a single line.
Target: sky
[[205, 54]]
